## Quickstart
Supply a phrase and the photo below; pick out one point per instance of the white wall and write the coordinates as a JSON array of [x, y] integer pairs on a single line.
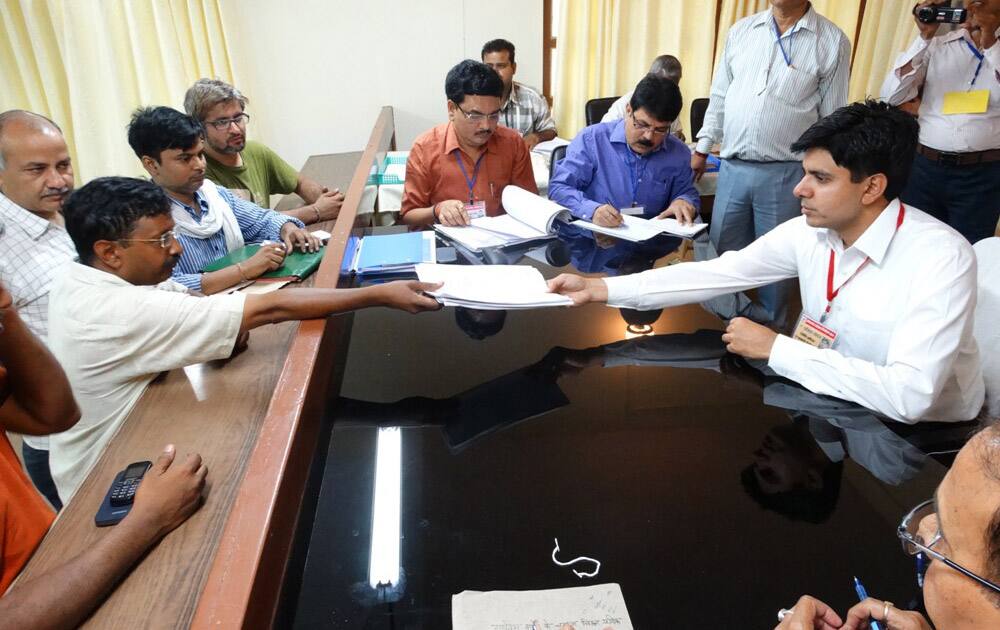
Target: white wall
[[317, 72]]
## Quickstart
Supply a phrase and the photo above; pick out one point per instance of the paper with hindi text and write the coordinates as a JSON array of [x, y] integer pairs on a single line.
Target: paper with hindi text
[[585, 608]]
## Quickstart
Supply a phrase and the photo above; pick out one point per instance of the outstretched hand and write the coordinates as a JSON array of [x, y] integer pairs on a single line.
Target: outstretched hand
[[579, 289]]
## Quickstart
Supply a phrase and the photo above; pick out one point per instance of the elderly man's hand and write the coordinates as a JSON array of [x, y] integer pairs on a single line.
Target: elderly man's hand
[[985, 18], [810, 614], [927, 31], [749, 339]]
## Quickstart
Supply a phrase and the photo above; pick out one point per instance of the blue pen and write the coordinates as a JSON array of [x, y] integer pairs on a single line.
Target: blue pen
[[862, 596], [921, 568]]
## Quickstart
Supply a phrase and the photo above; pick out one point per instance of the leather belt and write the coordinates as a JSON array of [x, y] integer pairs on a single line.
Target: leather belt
[[946, 158]]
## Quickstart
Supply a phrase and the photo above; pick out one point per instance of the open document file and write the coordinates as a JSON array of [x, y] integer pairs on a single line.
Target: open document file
[[529, 217], [490, 287], [637, 229]]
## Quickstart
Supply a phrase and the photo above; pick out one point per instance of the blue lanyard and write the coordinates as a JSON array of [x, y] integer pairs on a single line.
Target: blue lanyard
[[635, 169], [777, 36], [471, 183], [978, 55]]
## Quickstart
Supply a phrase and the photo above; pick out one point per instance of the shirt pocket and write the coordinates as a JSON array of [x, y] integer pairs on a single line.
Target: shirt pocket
[[793, 85]]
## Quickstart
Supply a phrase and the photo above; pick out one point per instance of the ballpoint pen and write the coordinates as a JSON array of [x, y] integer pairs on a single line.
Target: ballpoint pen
[[921, 568], [862, 596]]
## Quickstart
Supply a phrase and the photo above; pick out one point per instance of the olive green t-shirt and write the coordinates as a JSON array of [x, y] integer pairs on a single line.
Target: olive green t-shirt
[[263, 174]]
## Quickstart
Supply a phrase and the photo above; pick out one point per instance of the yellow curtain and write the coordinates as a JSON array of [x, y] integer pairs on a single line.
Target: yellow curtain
[[606, 46], [887, 29], [88, 64]]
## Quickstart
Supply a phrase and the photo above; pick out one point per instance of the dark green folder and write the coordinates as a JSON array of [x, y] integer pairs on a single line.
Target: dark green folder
[[297, 264]]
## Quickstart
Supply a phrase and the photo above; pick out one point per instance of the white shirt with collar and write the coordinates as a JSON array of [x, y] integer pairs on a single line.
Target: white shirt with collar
[[946, 64], [905, 347], [32, 251], [113, 338], [759, 105], [987, 328]]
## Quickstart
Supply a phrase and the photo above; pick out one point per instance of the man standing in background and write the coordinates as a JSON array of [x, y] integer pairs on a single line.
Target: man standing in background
[[523, 109], [666, 66]]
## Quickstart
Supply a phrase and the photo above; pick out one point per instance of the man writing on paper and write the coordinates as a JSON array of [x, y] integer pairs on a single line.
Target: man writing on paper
[[956, 173], [457, 171], [210, 221], [631, 166], [247, 168], [114, 326], [888, 292], [523, 108], [666, 66]]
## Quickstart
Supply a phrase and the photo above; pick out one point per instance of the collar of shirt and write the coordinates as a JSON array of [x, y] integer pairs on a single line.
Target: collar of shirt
[[15, 216], [86, 274], [451, 141], [517, 97], [874, 242], [201, 202], [618, 137], [807, 21]]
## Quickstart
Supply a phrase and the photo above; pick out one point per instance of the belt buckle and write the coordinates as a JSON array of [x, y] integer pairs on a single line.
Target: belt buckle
[[949, 159]]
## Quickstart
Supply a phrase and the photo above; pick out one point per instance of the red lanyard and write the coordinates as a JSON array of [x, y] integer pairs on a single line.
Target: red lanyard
[[832, 293]]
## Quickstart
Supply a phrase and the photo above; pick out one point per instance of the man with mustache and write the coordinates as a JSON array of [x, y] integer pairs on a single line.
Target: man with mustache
[[247, 168], [36, 174], [116, 322], [458, 170], [666, 66], [211, 221], [633, 165]]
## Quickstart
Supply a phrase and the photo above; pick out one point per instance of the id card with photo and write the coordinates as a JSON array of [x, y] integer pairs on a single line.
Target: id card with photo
[[812, 332], [476, 209]]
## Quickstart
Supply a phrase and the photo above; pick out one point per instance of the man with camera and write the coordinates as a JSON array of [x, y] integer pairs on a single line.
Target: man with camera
[[956, 173]]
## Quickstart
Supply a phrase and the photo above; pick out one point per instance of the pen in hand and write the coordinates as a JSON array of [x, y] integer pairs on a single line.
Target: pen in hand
[[859, 588]]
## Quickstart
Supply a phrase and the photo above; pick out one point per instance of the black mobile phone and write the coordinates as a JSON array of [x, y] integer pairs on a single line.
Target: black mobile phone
[[940, 13], [118, 501]]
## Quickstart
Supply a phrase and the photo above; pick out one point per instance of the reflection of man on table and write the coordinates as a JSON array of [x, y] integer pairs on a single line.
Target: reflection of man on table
[[898, 339]]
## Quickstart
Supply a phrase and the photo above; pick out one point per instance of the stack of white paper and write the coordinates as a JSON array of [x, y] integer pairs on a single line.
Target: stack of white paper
[[490, 287], [529, 217], [637, 229], [584, 607]]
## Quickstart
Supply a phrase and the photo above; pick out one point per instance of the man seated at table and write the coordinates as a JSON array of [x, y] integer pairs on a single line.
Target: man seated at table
[[211, 220], [458, 170], [957, 531], [114, 327], [632, 165], [37, 399], [250, 169], [523, 108], [888, 292], [666, 66]]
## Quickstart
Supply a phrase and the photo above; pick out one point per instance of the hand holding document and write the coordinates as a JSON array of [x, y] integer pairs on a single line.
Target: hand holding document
[[490, 287], [599, 607], [529, 217], [637, 229]]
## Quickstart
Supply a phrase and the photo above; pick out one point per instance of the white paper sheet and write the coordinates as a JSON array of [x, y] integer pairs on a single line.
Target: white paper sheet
[[490, 286], [585, 608], [637, 229]]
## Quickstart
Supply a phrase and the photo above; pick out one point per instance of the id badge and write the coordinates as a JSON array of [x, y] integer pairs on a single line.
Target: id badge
[[817, 335], [974, 102], [476, 210], [635, 211]]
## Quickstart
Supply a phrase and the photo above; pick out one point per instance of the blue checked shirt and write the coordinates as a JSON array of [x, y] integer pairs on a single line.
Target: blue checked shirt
[[257, 224]]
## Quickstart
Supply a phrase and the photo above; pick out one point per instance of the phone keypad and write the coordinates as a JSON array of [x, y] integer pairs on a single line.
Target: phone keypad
[[124, 491]]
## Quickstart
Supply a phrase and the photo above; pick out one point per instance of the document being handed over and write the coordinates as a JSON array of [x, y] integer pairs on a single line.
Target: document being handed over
[[490, 287]]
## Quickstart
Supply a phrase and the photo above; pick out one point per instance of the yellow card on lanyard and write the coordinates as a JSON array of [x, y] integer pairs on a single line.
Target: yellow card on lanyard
[[974, 102]]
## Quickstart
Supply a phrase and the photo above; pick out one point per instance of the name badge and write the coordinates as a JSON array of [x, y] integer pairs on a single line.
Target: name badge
[[636, 211], [810, 331], [476, 210], [974, 102]]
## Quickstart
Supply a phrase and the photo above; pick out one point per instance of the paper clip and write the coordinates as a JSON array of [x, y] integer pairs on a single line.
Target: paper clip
[[579, 574]]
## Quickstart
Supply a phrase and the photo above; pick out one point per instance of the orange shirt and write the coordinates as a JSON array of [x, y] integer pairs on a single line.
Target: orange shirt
[[24, 515], [433, 175]]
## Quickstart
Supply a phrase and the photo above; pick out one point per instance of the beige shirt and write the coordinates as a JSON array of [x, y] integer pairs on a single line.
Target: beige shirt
[[112, 339]]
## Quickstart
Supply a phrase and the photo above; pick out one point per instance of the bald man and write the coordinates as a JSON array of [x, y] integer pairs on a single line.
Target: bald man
[[36, 175]]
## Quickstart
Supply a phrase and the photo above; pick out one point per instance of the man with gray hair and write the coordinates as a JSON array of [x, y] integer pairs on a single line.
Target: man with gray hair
[[666, 66], [36, 175], [247, 168]]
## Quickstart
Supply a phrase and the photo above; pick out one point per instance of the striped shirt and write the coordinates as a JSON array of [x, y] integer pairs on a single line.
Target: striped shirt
[[760, 104], [256, 223], [526, 111]]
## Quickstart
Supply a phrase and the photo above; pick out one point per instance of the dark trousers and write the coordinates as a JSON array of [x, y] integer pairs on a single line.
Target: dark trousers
[[36, 462], [965, 197]]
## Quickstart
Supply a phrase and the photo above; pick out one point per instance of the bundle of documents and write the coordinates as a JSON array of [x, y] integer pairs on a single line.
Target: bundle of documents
[[490, 287], [637, 229], [297, 264], [529, 218], [386, 254], [583, 607]]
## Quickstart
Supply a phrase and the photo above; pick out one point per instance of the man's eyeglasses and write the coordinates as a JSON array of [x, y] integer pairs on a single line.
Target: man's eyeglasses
[[643, 126], [913, 542], [166, 239], [478, 116], [223, 123]]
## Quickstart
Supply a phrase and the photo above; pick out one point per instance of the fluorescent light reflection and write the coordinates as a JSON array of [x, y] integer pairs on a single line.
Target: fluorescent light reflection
[[383, 562]]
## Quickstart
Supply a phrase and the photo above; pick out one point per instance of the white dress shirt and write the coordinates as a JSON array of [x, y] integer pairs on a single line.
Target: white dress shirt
[[759, 105], [905, 345], [617, 112], [946, 64], [32, 250], [112, 339], [987, 329]]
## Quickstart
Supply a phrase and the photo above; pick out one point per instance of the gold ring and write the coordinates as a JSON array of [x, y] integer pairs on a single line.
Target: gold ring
[[886, 605]]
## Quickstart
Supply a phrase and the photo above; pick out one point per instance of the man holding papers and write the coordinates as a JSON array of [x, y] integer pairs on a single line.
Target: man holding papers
[[632, 166], [888, 292]]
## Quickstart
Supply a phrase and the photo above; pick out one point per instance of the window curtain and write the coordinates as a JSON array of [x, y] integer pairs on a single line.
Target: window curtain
[[887, 29], [89, 64]]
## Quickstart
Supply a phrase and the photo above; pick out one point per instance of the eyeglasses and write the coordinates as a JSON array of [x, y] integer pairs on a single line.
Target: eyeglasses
[[223, 123], [642, 126], [166, 239], [913, 542], [478, 116]]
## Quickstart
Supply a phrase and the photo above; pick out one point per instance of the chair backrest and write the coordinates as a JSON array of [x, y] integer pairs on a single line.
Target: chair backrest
[[558, 153], [595, 108], [698, 108]]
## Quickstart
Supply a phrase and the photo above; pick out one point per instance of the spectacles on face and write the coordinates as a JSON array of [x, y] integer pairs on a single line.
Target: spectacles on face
[[223, 123], [478, 116], [913, 543], [642, 127], [166, 239]]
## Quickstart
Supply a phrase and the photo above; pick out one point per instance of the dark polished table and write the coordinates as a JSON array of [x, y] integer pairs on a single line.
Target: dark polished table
[[712, 492]]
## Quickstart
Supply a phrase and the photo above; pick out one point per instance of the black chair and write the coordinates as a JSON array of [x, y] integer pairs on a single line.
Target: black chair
[[558, 153], [698, 108], [595, 108]]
